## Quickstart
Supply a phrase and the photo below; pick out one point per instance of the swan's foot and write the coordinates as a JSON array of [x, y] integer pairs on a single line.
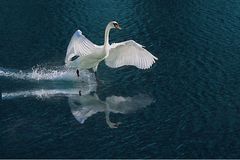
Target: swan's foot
[[77, 73], [114, 125], [80, 93]]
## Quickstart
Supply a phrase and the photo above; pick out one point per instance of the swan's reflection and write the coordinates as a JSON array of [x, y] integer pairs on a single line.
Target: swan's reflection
[[85, 106]]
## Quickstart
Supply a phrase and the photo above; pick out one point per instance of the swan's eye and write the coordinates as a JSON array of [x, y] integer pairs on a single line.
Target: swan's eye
[[115, 24]]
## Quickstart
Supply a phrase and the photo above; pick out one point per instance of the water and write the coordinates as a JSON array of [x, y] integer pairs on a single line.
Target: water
[[186, 106]]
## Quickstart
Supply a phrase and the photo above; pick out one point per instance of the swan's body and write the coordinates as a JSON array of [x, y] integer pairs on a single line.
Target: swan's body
[[88, 55]]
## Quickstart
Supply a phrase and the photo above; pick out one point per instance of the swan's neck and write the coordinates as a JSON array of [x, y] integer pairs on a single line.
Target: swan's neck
[[106, 36]]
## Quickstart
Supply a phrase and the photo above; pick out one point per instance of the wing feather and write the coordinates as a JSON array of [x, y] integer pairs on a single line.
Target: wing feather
[[79, 46], [129, 53]]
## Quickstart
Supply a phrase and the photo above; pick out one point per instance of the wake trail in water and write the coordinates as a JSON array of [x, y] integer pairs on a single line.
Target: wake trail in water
[[39, 73], [48, 82], [42, 93]]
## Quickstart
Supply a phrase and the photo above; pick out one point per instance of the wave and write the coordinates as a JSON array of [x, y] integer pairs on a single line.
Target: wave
[[46, 93], [39, 73], [41, 93], [47, 82]]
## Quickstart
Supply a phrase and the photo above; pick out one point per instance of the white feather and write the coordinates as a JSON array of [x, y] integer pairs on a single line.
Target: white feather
[[88, 54], [79, 46], [83, 54], [129, 53]]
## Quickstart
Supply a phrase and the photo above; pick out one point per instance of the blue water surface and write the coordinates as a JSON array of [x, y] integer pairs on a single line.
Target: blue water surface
[[186, 106]]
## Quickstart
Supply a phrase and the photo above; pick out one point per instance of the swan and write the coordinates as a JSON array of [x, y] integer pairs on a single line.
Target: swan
[[116, 55]]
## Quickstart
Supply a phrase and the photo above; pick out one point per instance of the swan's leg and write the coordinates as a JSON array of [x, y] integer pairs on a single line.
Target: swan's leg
[[77, 71]]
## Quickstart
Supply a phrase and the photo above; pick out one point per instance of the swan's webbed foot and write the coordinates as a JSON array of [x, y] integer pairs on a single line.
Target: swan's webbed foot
[[80, 93], [113, 125], [77, 71]]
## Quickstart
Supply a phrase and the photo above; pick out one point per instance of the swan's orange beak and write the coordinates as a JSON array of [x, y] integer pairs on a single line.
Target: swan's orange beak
[[117, 26]]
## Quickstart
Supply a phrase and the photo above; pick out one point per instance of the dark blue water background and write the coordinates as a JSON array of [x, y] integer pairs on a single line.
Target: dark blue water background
[[194, 88]]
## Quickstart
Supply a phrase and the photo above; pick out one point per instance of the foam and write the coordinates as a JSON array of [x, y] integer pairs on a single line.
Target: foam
[[86, 82], [39, 73], [45, 93]]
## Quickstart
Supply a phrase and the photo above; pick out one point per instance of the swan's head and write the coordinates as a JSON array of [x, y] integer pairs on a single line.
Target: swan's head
[[114, 24]]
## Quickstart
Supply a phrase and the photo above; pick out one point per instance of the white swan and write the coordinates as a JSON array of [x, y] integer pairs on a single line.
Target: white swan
[[89, 55]]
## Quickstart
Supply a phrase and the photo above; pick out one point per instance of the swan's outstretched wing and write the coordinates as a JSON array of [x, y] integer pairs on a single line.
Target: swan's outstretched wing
[[129, 53], [79, 46]]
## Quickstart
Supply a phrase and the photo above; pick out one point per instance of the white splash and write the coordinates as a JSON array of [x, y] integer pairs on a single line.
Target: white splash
[[45, 93], [50, 79], [39, 73]]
